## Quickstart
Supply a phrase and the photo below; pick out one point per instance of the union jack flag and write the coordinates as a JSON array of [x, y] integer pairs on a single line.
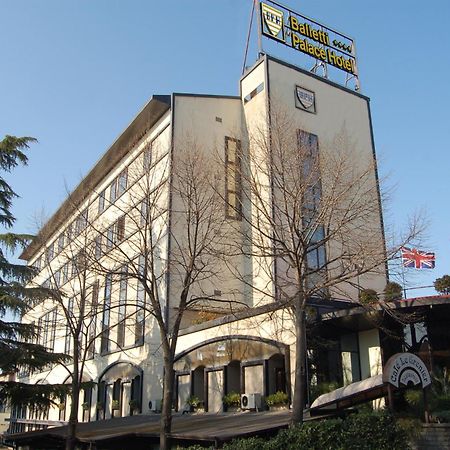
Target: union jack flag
[[416, 259]]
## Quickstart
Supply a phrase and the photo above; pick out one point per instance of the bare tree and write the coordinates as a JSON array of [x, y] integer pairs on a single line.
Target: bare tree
[[72, 298], [313, 225], [168, 234]]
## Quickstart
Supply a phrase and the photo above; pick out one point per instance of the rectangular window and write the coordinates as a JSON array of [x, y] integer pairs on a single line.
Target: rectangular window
[[113, 191], [233, 185], [61, 243], [101, 201], [65, 273], [57, 278], [98, 246], [350, 358], [144, 212], [122, 183], [80, 261], [312, 192], [139, 330], [254, 93], [122, 308], [147, 157], [44, 330], [120, 228], [51, 251], [68, 345], [37, 263], [68, 234], [92, 328], [52, 326], [81, 221], [110, 232], [104, 344]]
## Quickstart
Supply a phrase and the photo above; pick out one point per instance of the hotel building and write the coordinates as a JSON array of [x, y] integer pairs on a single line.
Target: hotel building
[[237, 339]]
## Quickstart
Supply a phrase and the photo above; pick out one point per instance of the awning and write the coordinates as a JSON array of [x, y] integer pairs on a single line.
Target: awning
[[358, 392]]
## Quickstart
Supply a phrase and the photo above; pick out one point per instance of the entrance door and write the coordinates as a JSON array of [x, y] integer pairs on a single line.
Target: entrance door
[[184, 391], [215, 390]]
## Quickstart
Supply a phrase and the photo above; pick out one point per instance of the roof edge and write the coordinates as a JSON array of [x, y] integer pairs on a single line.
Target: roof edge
[[155, 108]]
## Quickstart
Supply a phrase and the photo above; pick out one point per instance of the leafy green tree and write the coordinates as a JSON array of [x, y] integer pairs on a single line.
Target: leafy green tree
[[17, 349], [442, 284]]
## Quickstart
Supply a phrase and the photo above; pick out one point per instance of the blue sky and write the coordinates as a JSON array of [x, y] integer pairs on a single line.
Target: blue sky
[[75, 73]]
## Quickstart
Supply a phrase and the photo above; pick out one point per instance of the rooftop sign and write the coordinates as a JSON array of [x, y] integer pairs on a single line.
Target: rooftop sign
[[325, 45]]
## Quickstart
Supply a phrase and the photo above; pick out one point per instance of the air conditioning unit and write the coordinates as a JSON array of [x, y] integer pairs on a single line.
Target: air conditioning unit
[[251, 401], [154, 405]]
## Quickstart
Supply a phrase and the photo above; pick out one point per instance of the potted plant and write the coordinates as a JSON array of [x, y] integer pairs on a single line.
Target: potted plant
[[115, 404], [368, 297], [85, 406], [99, 406], [196, 405], [393, 291], [277, 401], [134, 406], [232, 401], [61, 406]]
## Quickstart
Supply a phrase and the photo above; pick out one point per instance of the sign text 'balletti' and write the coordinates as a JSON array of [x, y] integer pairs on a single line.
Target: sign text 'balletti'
[[307, 36]]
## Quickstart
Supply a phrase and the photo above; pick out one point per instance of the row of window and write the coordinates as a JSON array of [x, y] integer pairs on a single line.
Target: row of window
[[308, 145], [115, 189], [119, 185], [58, 245], [48, 322], [139, 316], [233, 182]]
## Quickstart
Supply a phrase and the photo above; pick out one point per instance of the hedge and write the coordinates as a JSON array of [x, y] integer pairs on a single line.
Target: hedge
[[362, 431]]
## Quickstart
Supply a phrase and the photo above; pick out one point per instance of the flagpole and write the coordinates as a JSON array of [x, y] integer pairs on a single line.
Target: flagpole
[[403, 274], [404, 282], [248, 36]]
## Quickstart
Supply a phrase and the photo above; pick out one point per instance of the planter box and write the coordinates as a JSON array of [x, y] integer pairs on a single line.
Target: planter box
[[233, 408], [278, 407]]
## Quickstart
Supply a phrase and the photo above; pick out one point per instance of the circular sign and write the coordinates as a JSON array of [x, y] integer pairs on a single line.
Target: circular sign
[[406, 369]]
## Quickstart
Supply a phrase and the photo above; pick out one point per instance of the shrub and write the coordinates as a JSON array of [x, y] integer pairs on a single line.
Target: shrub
[[232, 399], [442, 416], [414, 397], [193, 401], [377, 430], [115, 404], [368, 296], [252, 443], [366, 431], [277, 399], [412, 427], [393, 291], [442, 284], [134, 404]]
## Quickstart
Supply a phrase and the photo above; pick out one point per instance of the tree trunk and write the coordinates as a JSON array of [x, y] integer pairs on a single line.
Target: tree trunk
[[166, 412], [73, 418], [298, 402]]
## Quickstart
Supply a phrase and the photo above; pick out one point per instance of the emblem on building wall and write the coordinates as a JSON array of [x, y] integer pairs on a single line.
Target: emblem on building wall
[[305, 99]]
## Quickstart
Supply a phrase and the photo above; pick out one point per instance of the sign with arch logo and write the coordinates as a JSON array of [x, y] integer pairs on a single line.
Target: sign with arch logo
[[406, 369]]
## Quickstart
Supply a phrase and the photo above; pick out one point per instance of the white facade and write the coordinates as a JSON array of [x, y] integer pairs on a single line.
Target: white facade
[[117, 184]]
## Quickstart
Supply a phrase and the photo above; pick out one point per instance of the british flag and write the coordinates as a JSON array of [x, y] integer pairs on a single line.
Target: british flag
[[416, 259]]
